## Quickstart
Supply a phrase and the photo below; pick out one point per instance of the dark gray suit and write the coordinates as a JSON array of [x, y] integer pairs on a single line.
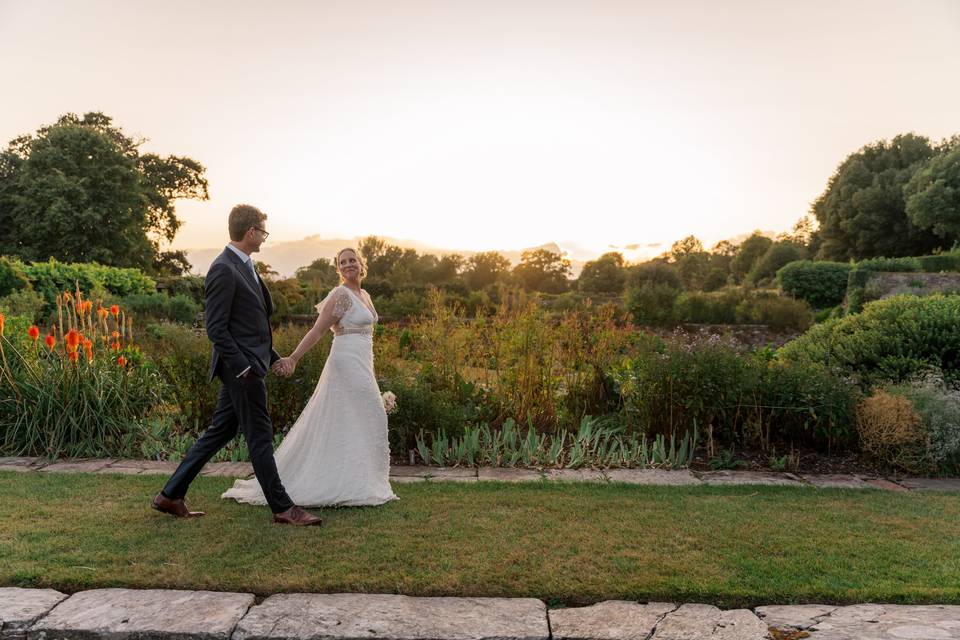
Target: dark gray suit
[[237, 310]]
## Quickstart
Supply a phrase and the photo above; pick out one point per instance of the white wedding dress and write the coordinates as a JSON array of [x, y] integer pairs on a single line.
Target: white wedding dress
[[337, 452]]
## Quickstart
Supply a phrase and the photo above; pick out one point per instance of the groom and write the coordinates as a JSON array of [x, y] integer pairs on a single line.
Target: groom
[[237, 311]]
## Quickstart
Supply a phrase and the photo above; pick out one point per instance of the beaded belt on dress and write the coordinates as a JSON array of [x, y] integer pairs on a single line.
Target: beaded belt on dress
[[366, 331]]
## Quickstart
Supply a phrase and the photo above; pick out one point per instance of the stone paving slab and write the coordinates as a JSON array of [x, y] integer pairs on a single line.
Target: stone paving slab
[[502, 474], [407, 479], [889, 622], [16, 461], [144, 467], [417, 473], [78, 466], [696, 621], [668, 477], [798, 616], [149, 614], [227, 469], [393, 617], [610, 620], [835, 481], [16, 468], [575, 475], [434, 472], [883, 483], [19, 608], [768, 478], [932, 484]]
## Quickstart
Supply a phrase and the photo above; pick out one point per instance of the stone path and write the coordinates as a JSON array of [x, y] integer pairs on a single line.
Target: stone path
[[157, 614], [416, 473]]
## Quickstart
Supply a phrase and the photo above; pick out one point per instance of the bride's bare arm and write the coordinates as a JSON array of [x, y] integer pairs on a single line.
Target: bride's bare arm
[[326, 319]]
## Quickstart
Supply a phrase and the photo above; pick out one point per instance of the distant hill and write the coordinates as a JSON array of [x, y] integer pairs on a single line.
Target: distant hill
[[287, 257]]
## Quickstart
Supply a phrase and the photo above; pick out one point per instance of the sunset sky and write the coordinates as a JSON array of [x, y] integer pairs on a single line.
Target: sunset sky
[[493, 125]]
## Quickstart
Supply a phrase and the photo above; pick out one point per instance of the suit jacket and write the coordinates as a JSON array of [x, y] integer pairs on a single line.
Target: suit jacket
[[237, 312]]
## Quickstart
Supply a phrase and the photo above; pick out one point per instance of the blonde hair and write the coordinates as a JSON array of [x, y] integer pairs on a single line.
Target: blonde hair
[[363, 264]]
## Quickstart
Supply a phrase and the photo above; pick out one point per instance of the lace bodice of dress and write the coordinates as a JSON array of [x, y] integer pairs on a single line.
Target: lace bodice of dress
[[353, 313]]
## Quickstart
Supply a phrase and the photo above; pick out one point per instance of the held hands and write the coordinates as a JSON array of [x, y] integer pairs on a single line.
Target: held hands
[[284, 367]]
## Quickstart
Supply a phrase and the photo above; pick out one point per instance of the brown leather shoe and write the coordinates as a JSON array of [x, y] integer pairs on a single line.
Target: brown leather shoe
[[175, 508], [297, 516]]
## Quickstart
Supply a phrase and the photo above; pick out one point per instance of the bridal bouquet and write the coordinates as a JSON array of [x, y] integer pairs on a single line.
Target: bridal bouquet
[[389, 401]]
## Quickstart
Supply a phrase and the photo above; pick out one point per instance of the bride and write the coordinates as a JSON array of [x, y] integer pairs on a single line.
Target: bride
[[337, 453]]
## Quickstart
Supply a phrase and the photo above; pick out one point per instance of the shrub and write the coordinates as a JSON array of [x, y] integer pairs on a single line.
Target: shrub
[[892, 340], [12, 277], [778, 255], [821, 284], [775, 311], [734, 398], [80, 395], [157, 306], [654, 272], [190, 286], [942, 262], [651, 303], [25, 302], [51, 278], [938, 405], [892, 432]]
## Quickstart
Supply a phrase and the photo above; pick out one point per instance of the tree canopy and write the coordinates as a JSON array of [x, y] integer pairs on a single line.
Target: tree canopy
[[933, 194], [862, 213], [80, 191], [543, 270]]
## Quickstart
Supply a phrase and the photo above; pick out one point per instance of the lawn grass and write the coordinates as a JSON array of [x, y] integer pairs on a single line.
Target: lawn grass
[[569, 544]]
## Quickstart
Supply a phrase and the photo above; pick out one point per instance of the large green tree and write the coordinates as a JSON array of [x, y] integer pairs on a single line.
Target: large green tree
[[543, 270], [862, 213], [606, 274], [691, 260], [485, 268], [747, 254], [933, 194], [79, 190]]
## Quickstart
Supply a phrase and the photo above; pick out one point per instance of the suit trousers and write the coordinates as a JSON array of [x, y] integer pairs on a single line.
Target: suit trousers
[[241, 406]]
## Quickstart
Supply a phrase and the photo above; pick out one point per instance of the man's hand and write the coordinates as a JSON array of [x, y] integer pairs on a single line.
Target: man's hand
[[284, 367]]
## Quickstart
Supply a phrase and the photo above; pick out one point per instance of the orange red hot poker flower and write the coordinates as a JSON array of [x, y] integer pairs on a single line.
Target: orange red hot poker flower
[[34, 332]]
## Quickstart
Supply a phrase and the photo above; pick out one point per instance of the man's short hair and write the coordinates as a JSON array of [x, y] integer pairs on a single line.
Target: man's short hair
[[242, 217]]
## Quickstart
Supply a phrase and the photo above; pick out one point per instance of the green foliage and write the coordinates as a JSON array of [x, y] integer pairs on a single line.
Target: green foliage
[[938, 405], [543, 270], [779, 254], [12, 277], [654, 272], [606, 274], [25, 302], [593, 445], [933, 195], [822, 284], [51, 406], [190, 286], [485, 268], [735, 398], [891, 340], [52, 277], [741, 306], [862, 213], [940, 263], [79, 191], [157, 306], [651, 303], [748, 253]]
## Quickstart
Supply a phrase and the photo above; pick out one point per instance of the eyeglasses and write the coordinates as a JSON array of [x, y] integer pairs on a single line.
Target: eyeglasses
[[263, 231]]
